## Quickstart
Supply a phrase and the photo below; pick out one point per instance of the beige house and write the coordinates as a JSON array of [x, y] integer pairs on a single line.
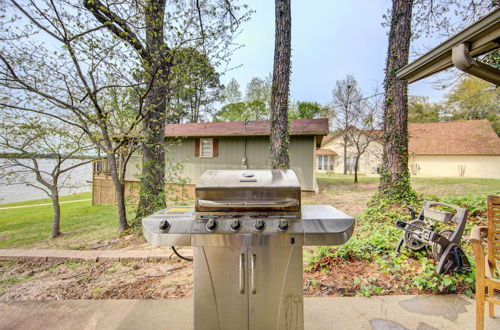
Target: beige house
[[196, 147], [330, 157], [444, 149]]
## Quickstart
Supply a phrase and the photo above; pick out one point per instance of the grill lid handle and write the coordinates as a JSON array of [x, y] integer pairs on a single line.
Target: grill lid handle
[[235, 204]]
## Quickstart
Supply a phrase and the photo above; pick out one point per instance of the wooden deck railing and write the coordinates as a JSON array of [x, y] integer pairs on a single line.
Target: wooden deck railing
[[101, 167]]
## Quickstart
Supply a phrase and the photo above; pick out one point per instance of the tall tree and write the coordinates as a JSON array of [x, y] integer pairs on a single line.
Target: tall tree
[[420, 110], [395, 177], [447, 17], [430, 17], [346, 96], [256, 105], [471, 99], [231, 92], [258, 98], [56, 63], [280, 137], [364, 128], [306, 110], [207, 24], [156, 62], [233, 112], [195, 87]]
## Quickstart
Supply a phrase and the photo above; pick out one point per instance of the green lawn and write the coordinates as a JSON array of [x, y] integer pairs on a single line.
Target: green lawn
[[80, 223], [426, 186]]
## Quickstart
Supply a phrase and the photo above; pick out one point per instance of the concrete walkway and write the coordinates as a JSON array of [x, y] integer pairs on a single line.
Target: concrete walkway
[[96, 255], [383, 312]]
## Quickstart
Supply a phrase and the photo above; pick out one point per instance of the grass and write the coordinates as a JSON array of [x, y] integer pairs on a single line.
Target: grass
[[80, 223], [425, 186]]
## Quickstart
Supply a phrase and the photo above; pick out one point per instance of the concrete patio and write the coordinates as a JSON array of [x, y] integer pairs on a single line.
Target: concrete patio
[[382, 312]]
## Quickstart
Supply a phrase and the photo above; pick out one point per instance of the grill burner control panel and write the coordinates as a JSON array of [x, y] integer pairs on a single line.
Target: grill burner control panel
[[246, 226], [318, 225]]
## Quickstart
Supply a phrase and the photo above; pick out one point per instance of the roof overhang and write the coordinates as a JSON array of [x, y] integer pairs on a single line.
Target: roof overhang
[[480, 38], [326, 152], [305, 127]]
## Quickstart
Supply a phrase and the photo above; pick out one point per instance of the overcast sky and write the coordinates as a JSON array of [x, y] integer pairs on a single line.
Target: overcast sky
[[330, 39]]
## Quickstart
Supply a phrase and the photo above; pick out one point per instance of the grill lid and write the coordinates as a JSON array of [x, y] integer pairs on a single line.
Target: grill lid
[[242, 179], [248, 190]]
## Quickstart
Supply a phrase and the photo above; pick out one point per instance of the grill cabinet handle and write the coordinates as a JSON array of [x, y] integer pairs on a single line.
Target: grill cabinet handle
[[242, 273], [234, 204], [252, 270]]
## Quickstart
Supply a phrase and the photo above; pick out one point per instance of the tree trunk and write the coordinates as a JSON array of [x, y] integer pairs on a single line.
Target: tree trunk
[[152, 188], [345, 153], [356, 169], [56, 218], [395, 178], [280, 138], [119, 192]]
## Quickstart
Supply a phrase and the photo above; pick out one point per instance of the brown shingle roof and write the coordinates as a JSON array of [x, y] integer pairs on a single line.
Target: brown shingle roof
[[297, 127], [472, 137], [328, 138], [376, 134]]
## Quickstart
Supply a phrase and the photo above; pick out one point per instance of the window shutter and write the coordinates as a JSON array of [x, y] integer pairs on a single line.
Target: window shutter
[[197, 147], [215, 146]]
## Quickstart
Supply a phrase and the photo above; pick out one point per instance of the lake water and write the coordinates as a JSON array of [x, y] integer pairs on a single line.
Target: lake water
[[78, 179]]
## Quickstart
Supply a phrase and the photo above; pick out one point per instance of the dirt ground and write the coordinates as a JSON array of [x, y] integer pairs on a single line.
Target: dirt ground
[[40, 280], [27, 280]]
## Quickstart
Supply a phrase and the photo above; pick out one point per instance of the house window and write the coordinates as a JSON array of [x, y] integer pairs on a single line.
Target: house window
[[325, 162], [206, 147]]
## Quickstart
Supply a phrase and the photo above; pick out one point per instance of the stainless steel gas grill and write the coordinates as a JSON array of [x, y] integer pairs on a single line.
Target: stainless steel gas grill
[[247, 231]]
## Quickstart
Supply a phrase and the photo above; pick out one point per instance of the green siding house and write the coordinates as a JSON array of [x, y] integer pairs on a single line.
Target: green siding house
[[198, 147]]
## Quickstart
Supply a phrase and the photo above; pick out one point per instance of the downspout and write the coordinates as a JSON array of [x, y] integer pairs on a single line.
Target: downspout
[[462, 59], [244, 160]]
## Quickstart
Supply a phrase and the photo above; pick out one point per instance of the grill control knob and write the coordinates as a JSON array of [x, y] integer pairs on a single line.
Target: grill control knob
[[282, 225], [164, 225], [235, 225], [211, 225], [259, 225]]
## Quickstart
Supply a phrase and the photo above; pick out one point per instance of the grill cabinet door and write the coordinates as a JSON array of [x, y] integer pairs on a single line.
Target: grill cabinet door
[[275, 287], [220, 288]]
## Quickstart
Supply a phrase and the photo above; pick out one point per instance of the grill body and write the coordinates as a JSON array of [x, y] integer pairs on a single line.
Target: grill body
[[247, 231]]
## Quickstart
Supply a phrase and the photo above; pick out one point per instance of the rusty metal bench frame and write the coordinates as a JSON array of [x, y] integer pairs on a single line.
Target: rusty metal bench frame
[[420, 232]]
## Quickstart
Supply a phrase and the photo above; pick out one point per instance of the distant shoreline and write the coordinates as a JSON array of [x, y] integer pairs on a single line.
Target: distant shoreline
[[76, 183], [40, 156]]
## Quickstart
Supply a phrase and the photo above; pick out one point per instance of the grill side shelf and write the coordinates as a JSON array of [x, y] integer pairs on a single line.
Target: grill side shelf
[[325, 225]]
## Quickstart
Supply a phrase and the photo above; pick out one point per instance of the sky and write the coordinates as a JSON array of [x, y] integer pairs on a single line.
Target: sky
[[330, 39]]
